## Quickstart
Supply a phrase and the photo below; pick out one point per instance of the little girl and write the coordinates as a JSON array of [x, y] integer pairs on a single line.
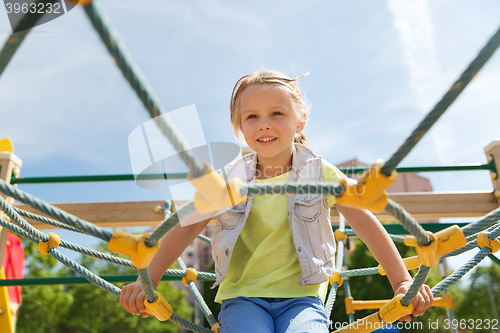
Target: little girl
[[275, 253]]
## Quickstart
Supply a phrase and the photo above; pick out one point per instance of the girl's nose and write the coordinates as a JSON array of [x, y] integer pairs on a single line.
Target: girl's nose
[[264, 126]]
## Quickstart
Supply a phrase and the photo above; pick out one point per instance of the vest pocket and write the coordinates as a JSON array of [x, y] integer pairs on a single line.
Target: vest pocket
[[307, 206], [233, 216]]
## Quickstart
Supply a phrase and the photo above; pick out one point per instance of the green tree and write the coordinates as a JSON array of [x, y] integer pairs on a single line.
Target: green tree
[[86, 308], [478, 298]]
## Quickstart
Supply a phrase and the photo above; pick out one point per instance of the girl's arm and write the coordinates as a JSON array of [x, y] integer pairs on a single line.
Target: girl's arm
[[372, 233], [171, 248]]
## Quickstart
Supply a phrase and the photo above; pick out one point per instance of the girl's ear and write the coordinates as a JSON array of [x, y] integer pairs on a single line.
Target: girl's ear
[[301, 124]]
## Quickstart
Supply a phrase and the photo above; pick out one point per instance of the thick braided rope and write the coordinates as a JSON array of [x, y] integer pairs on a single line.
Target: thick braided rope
[[96, 254], [494, 233], [10, 47], [16, 38], [408, 222], [188, 325], [297, 188], [140, 85], [485, 222], [170, 221], [91, 277], [333, 289], [147, 285], [105, 285], [46, 220], [198, 297], [359, 272], [457, 275], [418, 281], [180, 272], [88, 275], [204, 238], [19, 221], [54, 212], [471, 243], [443, 104], [15, 229], [396, 238], [338, 268]]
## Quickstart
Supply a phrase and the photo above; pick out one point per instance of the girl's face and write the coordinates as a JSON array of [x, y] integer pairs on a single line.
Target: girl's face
[[268, 121]]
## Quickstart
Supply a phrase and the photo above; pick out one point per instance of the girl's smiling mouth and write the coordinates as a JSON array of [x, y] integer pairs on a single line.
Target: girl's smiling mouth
[[267, 140]]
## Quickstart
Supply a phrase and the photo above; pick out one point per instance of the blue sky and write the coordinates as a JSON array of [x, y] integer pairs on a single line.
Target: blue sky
[[376, 68]]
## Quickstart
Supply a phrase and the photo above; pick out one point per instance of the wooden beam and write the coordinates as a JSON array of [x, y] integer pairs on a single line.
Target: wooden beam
[[108, 214], [432, 205], [423, 205]]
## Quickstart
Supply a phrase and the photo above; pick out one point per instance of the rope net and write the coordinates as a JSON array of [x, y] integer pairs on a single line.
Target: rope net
[[488, 227]]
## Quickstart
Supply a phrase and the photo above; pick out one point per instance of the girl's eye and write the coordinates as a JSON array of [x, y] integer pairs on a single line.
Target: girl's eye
[[277, 113], [252, 116]]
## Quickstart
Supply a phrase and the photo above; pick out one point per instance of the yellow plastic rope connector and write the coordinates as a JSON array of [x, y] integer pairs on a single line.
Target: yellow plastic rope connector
[[213, 193], [82, 2], [52, 243], [370, 191], [410, 263], [445, 301], [349, 305], [216, 328], [159, 308], [336, 278], [191, 275], [442, 242], [339, 234], [133, 247], [484, 241], [394, 309]]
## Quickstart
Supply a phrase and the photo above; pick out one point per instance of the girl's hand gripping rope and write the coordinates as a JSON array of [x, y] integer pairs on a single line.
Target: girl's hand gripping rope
[[422, 301], [132, 298]]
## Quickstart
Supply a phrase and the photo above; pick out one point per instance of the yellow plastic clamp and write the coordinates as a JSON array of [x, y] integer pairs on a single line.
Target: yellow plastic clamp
[[52, 243], [484, 241], [410, 263], [213, 193], [336, 278], [82, 2], [216, 328], [159, 308], [442, 242], [365, 325], [445, 301], [393, 310], [133, 247], [191, 275], [370, 191], [349, 305], [339, 234]]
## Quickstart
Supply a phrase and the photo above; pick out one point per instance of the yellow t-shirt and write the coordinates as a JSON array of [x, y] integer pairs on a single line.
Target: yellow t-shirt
[[264, 262]]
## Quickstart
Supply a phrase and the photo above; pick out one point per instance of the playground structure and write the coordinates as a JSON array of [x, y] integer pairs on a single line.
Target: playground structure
[[430, 247]]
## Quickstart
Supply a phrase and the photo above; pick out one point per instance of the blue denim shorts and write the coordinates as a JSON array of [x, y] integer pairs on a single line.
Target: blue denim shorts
[[273, 315]]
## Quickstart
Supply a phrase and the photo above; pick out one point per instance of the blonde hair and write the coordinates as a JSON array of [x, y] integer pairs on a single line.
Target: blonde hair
[[276, 79]]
